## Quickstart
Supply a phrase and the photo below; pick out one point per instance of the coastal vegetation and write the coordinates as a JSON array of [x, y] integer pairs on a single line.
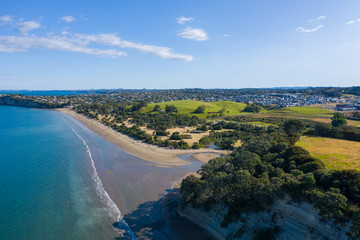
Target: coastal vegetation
[[270, 166]]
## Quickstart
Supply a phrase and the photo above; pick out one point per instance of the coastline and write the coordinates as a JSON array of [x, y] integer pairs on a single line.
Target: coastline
[[139, 149], [147, 195]]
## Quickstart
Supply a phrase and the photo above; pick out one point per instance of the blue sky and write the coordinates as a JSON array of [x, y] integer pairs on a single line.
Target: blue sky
[[178, 44]]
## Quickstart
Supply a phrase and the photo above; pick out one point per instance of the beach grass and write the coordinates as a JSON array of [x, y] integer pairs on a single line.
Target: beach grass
[[336, 154]]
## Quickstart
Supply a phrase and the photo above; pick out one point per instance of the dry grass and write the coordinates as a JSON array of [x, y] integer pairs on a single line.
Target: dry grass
[[353, 123], [328, 120], [238, 143], [334, 153], [322, 120]]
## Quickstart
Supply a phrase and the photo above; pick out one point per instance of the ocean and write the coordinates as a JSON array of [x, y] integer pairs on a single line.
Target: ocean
[[45, 92], [49, 188]]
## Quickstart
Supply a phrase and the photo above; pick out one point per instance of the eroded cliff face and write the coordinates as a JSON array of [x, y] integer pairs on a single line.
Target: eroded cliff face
[[293, 220], [20, 102]]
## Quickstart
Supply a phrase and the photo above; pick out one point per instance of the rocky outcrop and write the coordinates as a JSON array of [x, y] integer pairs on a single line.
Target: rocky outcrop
[[7, 100], [293, 220]]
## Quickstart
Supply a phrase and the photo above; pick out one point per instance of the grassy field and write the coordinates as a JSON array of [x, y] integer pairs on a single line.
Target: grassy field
[[301, 111], [235, 108], [189, 106], [334, 153]]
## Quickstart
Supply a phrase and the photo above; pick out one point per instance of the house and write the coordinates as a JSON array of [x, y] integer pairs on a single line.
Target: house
[[345, 107]]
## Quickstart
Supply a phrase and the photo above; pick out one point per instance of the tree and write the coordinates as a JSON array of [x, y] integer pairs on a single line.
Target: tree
[[338, 120], [175, 136], [330, 204], [156, 108], [254, 107], [246, 160], [196, 146], [294, 126], [200, 109], [171, 109]]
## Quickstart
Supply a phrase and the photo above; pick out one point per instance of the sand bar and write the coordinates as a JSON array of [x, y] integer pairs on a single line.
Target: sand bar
[[137, 148]]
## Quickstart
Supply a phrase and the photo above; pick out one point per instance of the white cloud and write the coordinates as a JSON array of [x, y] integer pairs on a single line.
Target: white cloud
[[114, 40], [6, 19], [24, 43], [317, 19], [196, 34], [25, 27], [226, 35], [68, 19], [313, 25], [183, 20], [309, 30], [77, 42], [80, 43], [350, 22]]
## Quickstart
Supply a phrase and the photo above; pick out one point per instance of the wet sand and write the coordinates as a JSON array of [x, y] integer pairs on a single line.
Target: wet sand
[[134, 147]]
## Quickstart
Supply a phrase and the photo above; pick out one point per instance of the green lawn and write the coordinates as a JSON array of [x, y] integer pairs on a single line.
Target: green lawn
[[189, 106]]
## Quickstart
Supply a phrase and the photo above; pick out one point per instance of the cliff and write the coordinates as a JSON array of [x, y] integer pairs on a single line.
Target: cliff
[[7, 100], [291, 221]]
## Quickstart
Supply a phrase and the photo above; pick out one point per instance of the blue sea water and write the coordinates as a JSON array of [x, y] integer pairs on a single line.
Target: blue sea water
[[49, 188]]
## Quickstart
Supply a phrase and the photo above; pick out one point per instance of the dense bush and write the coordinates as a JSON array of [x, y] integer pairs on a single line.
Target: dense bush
[[254, 108]]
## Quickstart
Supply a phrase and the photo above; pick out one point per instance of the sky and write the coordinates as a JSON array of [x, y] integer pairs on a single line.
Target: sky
[[160, 44]]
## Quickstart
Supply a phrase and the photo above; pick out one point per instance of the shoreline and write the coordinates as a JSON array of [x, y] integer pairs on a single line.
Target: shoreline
[[139, 149]]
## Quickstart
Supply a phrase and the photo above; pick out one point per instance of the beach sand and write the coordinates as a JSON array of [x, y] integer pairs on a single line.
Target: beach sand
[[204, 157], [139, 149]]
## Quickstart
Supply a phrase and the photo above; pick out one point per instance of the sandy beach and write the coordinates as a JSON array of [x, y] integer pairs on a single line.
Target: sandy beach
[[139, 176], [142, 150]]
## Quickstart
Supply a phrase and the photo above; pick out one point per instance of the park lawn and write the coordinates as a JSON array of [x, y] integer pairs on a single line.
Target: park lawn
[[189, 106], [336, 154]]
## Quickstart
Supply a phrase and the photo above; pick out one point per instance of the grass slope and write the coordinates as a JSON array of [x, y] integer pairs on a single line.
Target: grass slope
[[302, 111], [189, 106], [334, 153]]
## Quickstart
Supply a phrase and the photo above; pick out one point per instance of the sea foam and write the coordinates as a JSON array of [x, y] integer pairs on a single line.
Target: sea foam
[[114, 211]]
